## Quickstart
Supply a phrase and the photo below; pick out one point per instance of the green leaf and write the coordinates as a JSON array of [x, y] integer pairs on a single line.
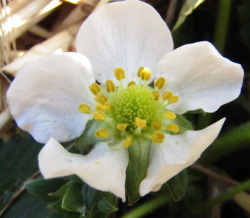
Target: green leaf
[[41, 188], [57, 207], [244, 19], [18, 158], [139, 153], [27, 206], [236, 139], [72, 200], [90, 197], [223, 197], [177, 186], [186, 10], [105, 207]]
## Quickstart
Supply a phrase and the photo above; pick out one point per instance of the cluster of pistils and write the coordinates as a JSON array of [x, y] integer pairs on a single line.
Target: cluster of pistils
[[126, 111]]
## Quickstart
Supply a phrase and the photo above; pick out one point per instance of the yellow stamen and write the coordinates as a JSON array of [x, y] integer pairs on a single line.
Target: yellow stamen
[[101, 98], [139, 72], [110, 86], [156, 124], [102, 133], [157, 137], [127, 142], [132, 83], [144, 73], [173, 99], [83, 108], [167, 95], [170, 115], [160, 82], [119, 73], [156, 95], [140, 123], [100, 107], [122, 126], [108, 107], [98, 116], [173, 128], [94, 88]]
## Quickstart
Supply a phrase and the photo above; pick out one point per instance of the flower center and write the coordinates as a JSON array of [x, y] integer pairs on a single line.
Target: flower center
[[134, 110], [132, 102]]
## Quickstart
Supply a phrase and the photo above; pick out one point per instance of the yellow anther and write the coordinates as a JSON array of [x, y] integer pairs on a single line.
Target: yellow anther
[[119, 73], [101, 98], [83, 108], [170, 115], [144, 73], [160, 82], [167, 95], [127, 142], [110, 86], [140, 123], [132, 83], [156, 95], [122, 126], [98, 116], [173, 128], [157, 137], [173, 99], [108, 107], [94, 88], [156, 124], [139, 72], [102, 133], [100, 107]]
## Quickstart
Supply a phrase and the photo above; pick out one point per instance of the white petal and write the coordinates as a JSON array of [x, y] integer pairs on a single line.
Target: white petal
[[126, 34], [103, 169], [201, 77], [175, 154], [45, 95]]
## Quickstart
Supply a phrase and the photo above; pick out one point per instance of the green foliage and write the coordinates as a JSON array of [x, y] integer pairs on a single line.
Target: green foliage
[[177, 186], [72, 198], [244, 19], [187, 9], [139, 153], [18, 161], [234, 140]]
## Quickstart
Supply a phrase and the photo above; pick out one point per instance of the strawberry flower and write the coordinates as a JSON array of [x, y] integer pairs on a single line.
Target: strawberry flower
[[124, 46]]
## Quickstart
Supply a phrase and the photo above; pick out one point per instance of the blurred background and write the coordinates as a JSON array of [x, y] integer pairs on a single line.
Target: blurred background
[[218, 186]]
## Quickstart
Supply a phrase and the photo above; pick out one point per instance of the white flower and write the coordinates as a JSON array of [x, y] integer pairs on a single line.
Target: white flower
[[47, 95]]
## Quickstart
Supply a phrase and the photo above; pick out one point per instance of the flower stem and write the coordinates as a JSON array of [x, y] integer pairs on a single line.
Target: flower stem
[[147, 207], [221, 28]]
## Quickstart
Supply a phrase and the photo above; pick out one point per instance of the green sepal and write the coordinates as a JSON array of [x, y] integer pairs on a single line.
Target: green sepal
[[97, 204], [42, 189], [90, 197], [72, 200], [139, 152], [183, 124], [177, 185], [87, 140]]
